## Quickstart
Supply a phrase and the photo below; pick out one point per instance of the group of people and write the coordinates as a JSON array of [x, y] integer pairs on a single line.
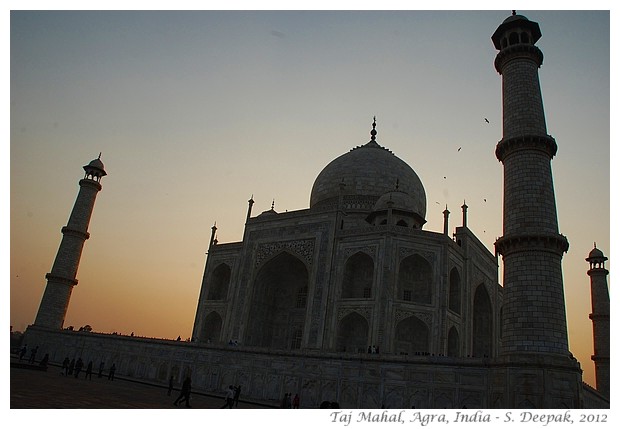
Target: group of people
[[74, 367], [287, 402]]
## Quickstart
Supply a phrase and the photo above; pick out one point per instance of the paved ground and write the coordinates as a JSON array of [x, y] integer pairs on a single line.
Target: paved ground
[[31, 388]]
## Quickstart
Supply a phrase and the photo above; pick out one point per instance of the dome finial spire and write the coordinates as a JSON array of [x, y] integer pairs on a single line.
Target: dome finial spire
[[514, 12], [373, 133]]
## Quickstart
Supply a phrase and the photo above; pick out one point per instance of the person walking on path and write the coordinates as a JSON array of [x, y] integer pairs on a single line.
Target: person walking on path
[[43, 363], [65, 366], [236, 397], [33, 354], [112, 371], [170, 385], [71, 366], [78, 367], [89, 371], [186, 389], [23, 351], [101, 366], [229, 398]]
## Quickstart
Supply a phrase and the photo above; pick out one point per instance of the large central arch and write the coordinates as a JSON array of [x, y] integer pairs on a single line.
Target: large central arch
[[278, 305]]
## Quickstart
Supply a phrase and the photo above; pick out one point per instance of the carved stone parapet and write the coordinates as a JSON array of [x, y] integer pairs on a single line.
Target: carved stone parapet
[[545, 144], [61, 279], [554, 243], [518, 51], [74, 232]]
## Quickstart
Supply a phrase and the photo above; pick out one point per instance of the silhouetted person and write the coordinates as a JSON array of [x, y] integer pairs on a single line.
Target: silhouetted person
[[112, 371], [236, 397], [78, 367], [65, 366], [23, 351], [296, 401], [229, 398], [71, 366], [89, 371], [101, 366], [33, 354], [43, 363], [170, 385], [186, 389]]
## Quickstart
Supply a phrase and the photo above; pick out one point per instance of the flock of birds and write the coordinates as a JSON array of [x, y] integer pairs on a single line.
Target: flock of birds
[[458, 150]]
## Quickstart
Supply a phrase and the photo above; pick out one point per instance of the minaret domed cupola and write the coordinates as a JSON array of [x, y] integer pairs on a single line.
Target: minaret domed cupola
[[596, 258], [516, 34], [94, 170]]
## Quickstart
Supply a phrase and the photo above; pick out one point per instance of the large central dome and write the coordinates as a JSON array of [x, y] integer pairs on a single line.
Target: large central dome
[[368, 172]]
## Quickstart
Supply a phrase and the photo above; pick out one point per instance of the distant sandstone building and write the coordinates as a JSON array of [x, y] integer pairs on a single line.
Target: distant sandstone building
[[353, 301]]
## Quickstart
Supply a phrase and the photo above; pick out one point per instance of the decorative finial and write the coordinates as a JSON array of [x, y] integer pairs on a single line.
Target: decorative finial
[[99, 157], [373, 133], [595, 244], [273, 202], [514, 12]]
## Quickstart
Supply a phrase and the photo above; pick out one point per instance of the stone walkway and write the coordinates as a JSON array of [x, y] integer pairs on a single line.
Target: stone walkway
[[31, 388]]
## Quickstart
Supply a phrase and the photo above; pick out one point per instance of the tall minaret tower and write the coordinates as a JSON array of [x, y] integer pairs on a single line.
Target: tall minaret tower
[[600, 318], [534, 317], [61, 279]]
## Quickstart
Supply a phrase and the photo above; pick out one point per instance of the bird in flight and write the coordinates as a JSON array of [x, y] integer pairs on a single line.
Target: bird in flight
[[486, 120], [459, 149]]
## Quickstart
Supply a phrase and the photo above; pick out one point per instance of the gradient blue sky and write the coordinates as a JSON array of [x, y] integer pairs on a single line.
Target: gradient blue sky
[[196, 111]]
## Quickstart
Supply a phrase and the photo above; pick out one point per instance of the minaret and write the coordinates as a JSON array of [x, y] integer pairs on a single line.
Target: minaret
[[600, 318], [61, 279], [534, 317]]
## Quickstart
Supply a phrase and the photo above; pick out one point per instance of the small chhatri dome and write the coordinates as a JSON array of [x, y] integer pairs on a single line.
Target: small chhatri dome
[[596, 254], [95, 168], [366, 173]]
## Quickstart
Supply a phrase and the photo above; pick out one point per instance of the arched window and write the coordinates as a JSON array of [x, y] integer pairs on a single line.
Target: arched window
[[296, 340], [483, 323], [454, 348], [525, 38], [402, 223], [411, 337], [211, 328], [454, 296], [274, 313], [514, 38], [218, 284], [358, 276], [352, 334], [415, 280]]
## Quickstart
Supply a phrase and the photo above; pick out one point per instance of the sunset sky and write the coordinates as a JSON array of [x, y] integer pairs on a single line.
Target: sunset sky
[[196, 111]]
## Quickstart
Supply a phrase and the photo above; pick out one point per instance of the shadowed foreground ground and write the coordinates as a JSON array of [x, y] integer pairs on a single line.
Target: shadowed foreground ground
[[31, 388]]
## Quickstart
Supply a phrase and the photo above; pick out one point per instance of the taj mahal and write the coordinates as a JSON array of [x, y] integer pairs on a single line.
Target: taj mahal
[[352, 300]]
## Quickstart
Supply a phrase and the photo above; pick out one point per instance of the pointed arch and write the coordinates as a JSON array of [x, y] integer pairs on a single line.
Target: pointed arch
[[212, 328], [454, 348], [275, 314], [415, 280], [482, 323], [218, 283], [358, 276], [454, 295], [352, 334], [411, 337]]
